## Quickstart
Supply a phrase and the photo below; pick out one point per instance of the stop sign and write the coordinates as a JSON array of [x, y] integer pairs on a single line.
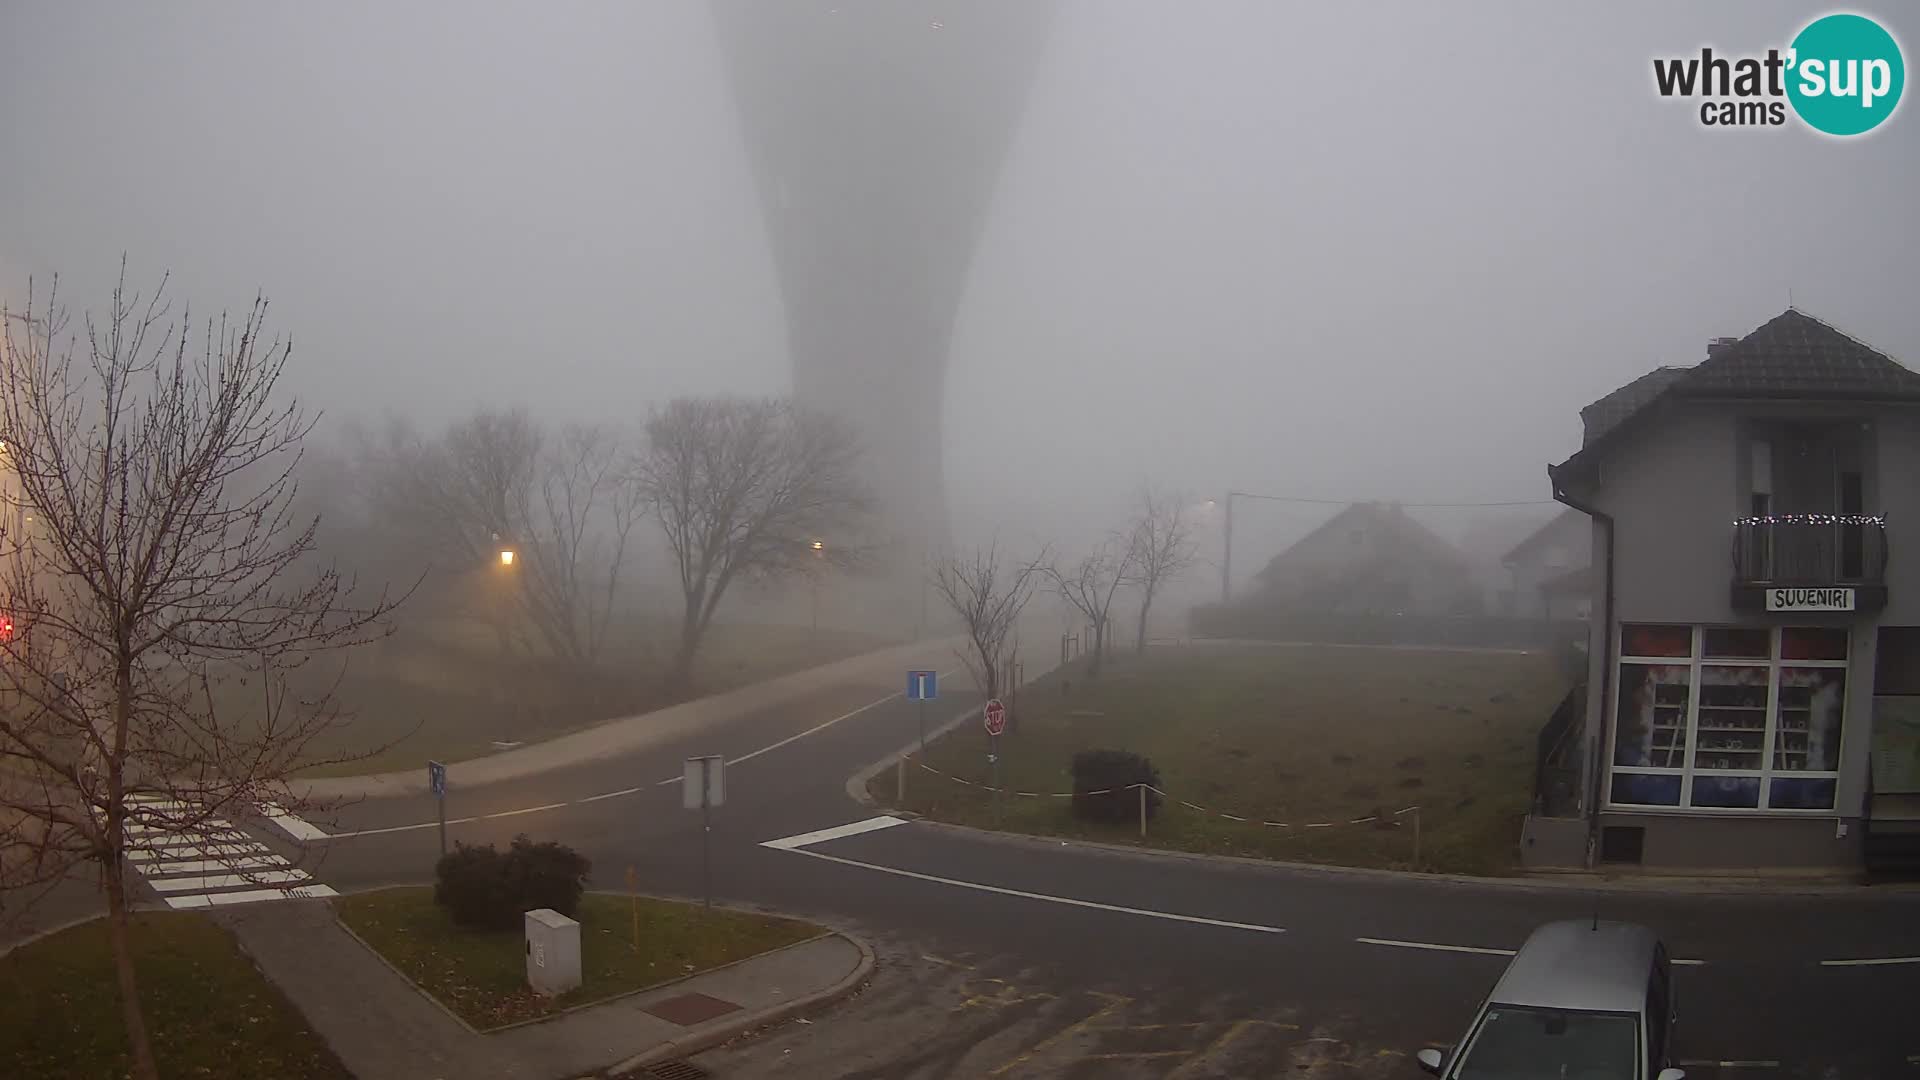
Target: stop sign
[[996, 717]]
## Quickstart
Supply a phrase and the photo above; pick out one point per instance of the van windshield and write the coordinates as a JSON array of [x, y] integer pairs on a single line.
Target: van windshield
[[1519, 1043]]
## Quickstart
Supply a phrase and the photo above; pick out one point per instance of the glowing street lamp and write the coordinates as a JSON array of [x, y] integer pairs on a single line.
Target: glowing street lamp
[[506, 556]]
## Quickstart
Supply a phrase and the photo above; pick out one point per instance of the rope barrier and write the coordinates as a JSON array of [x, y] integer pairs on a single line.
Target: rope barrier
[[1394, 816]]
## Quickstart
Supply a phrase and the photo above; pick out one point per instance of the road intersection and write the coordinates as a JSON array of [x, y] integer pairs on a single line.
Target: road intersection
[[1105, 945]]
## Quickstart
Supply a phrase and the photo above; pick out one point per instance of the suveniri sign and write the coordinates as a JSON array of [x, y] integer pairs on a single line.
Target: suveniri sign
[[1809, 599]]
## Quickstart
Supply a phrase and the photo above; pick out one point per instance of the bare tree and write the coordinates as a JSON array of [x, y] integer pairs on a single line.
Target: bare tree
[[496, 481], [576, 529], [149, 567], [988, 592], [743, 488], [1160, 549], [1090, 585]]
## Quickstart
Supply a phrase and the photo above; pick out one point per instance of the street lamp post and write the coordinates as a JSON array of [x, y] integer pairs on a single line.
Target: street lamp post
[[508, 557], [819, 553]]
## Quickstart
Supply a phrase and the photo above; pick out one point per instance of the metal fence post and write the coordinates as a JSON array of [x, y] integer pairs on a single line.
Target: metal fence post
[[1416, 838], [900, 782], [1143, 810]]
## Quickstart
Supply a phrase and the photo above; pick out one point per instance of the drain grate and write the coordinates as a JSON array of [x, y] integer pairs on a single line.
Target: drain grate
[[678, 1070]]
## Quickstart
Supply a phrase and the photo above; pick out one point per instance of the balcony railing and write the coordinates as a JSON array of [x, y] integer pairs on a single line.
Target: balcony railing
[[1810, 549]]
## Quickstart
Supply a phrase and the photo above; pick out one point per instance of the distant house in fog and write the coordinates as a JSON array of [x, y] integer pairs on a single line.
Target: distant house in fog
[[1550, 572], [1370, 559]]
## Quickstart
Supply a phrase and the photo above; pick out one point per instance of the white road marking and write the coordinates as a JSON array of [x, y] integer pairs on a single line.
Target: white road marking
[[294, 826], [1433, 947], [1875, 961], [1436, 947], [528, 810], [209, 851], [200, 900], [1022, 894], [821, 836], [155, 843], [1710, 1064], [226, 881], [1687, 963], [609, 795], [399, 828], [804, 734], [201, 866]]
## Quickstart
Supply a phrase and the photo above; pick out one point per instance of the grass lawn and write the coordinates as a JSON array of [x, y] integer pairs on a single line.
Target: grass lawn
[[482, 976], [1289, 734], [445, 691], [209, 1010]]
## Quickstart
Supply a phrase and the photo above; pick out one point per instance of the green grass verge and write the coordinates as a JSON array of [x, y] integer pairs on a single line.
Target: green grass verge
[[210, 1013], [482, 976], [1289, 734]]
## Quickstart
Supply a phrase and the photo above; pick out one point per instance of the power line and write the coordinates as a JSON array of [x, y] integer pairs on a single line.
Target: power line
[[1410, 505]]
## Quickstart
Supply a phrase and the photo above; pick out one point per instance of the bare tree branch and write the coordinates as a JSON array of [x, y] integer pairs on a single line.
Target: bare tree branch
[[1090, 585], [988, 593], [1160, 548], [742, 488], [150, 544]]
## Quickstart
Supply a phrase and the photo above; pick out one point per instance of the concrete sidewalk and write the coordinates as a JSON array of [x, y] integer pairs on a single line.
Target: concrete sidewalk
[[887, 667], [380, 1025]]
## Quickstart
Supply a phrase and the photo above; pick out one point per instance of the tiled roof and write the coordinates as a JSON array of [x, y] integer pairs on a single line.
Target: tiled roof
[[1797, 355], [1613, 410], [1792, 356]]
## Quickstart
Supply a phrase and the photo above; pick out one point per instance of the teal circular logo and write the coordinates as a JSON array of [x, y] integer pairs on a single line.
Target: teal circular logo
[[1845, 74]]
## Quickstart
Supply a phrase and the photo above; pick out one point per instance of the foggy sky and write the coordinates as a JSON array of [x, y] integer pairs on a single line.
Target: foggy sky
[[1339, 251]]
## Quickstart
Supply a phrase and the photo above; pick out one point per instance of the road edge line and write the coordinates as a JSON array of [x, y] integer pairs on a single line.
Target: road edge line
[[1513, 884]]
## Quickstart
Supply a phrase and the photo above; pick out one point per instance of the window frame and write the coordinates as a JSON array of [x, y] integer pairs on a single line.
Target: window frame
[[1695, 661]]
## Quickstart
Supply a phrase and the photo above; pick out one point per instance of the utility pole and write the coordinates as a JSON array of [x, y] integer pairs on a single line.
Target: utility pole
[[1226, 556]]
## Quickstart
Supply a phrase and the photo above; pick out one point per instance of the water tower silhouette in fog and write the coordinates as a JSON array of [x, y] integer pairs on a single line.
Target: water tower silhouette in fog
[[876, 130]]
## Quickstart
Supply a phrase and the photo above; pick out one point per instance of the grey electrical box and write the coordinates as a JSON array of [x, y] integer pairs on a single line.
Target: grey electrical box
[[553, 952]]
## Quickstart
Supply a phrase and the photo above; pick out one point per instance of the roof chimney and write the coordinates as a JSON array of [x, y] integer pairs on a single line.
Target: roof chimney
[[1719, 345]]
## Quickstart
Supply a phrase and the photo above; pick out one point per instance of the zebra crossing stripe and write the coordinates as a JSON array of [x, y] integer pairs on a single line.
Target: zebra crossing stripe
[[227, 881], [203, 851], [252, 896], [199, 866]]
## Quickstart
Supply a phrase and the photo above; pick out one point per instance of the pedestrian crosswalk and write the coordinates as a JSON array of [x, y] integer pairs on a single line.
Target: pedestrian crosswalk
[[212, 864]]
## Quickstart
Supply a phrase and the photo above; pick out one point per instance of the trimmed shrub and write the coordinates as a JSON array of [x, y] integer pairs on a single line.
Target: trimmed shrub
[[483, 889], [1103, 786], [546, 875]]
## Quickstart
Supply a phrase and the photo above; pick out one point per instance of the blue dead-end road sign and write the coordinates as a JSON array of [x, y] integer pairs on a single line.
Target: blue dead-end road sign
[[923, 685], [437, 778]]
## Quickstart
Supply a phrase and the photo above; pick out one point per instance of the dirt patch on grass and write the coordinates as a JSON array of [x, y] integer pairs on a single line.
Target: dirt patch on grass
[[1291, 735]]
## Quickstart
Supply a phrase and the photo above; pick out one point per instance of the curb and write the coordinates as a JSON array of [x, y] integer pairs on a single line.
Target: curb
[[857, 783], [1685, 887], [702, 1040], [1563, 881], [401, 975]]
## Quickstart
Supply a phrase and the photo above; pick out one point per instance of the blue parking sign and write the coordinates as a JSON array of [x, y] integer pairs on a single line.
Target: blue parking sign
[[923, 685], [437, 778]]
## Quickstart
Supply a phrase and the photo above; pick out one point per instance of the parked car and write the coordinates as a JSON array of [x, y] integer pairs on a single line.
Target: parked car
[[1582, 1000]]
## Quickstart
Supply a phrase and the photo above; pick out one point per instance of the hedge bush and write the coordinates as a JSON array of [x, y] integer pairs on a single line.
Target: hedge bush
[[484, 889], [1103, 786]]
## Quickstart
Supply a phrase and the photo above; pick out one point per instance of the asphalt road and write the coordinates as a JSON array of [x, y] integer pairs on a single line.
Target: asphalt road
[[1014, 957]]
